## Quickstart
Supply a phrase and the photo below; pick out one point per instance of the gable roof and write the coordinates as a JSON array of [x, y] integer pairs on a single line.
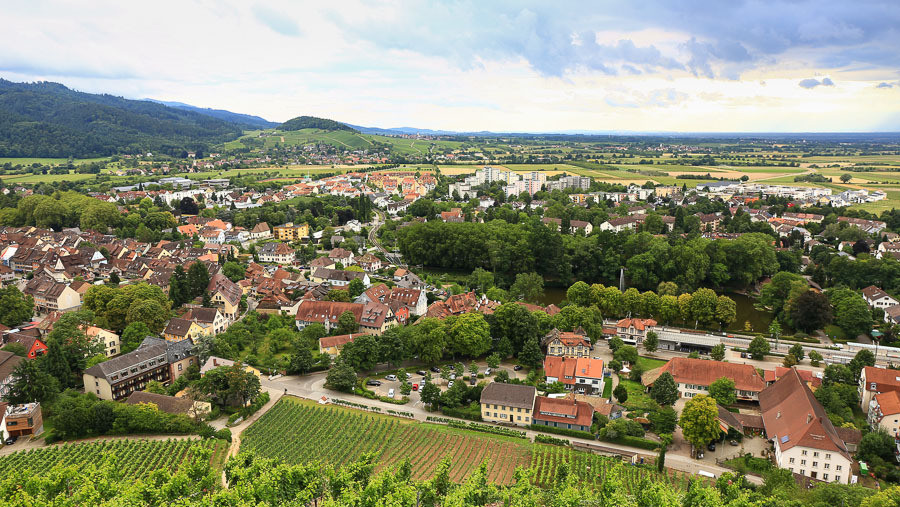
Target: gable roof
[[704, 372], [509, 395], [169, 404], [571, 411], [178, 327], [148, 349], [793, 417], [888, 402], [8, 363]]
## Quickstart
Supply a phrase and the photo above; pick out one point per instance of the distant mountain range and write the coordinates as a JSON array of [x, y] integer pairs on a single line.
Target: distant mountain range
[[241, 119]]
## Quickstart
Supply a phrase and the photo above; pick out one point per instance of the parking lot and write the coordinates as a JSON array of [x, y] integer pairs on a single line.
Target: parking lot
[[389, 381]]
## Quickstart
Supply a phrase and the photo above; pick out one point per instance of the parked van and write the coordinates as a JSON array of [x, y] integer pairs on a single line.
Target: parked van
[[390, 393]]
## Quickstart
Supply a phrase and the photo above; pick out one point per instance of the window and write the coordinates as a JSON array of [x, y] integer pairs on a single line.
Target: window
[[815, 454], [791, 460], [802, 461], [827, 455], [827, 466], [815, 464], [802, 472], [180, 366], [825, 477], [838, 468], [872, 386], [519, 418], [803, 453]]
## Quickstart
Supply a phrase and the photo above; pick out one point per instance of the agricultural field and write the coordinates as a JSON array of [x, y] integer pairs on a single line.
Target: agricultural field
[[49, 161], [136, 458], [301, 431]]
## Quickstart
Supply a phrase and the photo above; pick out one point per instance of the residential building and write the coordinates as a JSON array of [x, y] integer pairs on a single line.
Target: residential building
[[372, 317], [338, 277], [342, 256], [34, 346], [874, 380], [110, 340], [180, 356], [567, 344], [226, 295], [806, 443], [574, 225], [8, 363], [25, 419], [369, 262], [877, 298], [414, 300], [508, 403], [321, 262], [583, 375], [117, 378], [260, 231], [50, 295], [277, 253], [566, 413], [333, 344], [884, 412], [634, 331], [694, 376], [180, 329], [291, 232], [211, 320], [214, 362]]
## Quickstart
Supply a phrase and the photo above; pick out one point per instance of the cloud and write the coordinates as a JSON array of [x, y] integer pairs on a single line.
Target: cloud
[[277, 21], [888, 85], [809, 83]]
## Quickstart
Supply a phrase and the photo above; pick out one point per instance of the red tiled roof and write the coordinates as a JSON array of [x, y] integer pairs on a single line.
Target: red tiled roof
[[638, 324], [705, 372], [889, 402], [883, 378], [581, 413]]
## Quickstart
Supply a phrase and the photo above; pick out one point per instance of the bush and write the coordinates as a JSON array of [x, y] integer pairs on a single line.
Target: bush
[[254, 407], [484, 428], [563, 431], [640, 443], [546, 439], [471, 412], [224, 434]]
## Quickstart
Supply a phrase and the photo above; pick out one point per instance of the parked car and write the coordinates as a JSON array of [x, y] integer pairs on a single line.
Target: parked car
[[373, 383], [472, 380], [733, 442], [450, 384], [517, 367], [391, 377], [435, 369], [11, 440], [415, 387], [700, 455], [390, 393], [408, 375], [487, 372], [452, 376], [421, 372], [711, 446]]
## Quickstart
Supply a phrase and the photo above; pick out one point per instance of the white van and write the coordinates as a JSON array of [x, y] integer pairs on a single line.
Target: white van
[[390, 393]]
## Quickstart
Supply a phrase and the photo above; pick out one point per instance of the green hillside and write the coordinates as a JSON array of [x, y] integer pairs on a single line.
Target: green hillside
[[311, 122], [49, 120]]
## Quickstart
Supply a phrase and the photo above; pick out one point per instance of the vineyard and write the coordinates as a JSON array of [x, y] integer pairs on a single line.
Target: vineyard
[[297, 431], [135, 458]]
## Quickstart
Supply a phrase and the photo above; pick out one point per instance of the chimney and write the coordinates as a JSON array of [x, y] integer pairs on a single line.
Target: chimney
[[809, 418]]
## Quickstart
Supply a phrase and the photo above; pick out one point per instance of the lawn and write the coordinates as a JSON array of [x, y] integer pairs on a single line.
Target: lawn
[[750, 465], [638, 400], [649, 363], [607, 388], [835, 333]]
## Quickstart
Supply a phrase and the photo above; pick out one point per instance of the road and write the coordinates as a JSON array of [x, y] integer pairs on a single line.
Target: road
[[373, 239], [312, 387]]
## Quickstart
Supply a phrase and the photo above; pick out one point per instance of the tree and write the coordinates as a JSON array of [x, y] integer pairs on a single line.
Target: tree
[[156, 387], [722, 390], [717, 352], [197, 279], [627, 354], [531, 354], [810, 311], [30, 383], [114, 279], [789, 360], [16, 348], [621, 393], [664, 390], [133, 335], [301, 361], [355, 288], [616, 366], [470, 335], [758, 348], [615, 343], [726, 310], [233, 270], [851, 312], [862, 358], [528, 287], [362, 353], [431, 395], [699, 420], [796, 350], [480, 280], [703, 305], [845, 178], [815, 358], [346, 324], [651, 342], [15, 307], [876, 443], [188, 206], [341, 377], [230, 385], [581, 294], [493, 360]]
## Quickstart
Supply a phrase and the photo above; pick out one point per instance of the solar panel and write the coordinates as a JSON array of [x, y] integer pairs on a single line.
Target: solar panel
[[785, 439]]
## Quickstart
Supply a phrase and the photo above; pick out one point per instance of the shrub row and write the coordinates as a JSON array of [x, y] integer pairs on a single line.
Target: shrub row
[[547, 439], [366, 393], [484, 428], [360, 406], [401, 414], [640, 443], [563, 431]]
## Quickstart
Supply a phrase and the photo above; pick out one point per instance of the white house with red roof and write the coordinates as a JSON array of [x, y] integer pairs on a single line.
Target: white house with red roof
[[634, 331], [873, 380], [884, 412], [584, 375]]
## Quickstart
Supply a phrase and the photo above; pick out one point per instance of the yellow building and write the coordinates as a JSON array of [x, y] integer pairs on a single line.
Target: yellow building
[[508, 403], [291, 232]]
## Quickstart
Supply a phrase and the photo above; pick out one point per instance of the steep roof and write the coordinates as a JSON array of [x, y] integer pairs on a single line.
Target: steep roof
[[164, 403], [705, 372], [884, 379], [509, 395], [204, 315], [639, 324], [147, 350], [178, 327], [8, 363], [889, 402], [571, 411], [793, 417]]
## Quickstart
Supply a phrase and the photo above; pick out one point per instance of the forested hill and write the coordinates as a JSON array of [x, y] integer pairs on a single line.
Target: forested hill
[[49, 120], [248, 120], [311, 122]]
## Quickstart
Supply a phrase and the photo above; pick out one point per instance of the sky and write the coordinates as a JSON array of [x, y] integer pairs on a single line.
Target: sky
[[503, 66]]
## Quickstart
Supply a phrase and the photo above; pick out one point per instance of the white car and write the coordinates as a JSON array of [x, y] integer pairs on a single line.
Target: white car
[[450, 384], [390, 393], [390, 377], [487, 372]]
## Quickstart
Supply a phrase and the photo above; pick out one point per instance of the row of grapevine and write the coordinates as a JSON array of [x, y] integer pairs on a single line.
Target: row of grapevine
[[134, 458]]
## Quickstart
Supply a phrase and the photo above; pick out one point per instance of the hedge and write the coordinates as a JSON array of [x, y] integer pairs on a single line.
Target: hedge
[[640, 443], [546, 439], [563, 431], [484, 428]]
